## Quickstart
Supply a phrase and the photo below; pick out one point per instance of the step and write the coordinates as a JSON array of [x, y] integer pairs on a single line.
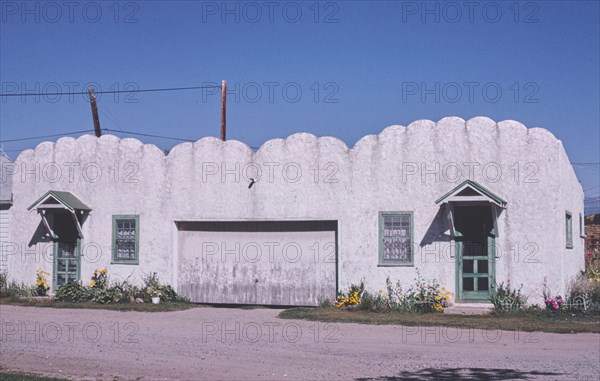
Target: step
[[469, 309]]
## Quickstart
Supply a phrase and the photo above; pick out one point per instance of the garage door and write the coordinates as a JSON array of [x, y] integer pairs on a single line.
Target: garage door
[[258, 262]]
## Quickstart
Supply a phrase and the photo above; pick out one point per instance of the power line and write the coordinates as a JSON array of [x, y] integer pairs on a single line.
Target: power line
[[111, 117], [113, 91], [148, 135], [45, 136], [153, 136]]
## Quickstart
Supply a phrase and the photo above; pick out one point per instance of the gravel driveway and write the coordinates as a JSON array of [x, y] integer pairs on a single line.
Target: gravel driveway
[[239, 344]]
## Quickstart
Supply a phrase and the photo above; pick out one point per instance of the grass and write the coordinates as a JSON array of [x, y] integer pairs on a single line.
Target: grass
[[6, 376], [142, 307], [517, 321]]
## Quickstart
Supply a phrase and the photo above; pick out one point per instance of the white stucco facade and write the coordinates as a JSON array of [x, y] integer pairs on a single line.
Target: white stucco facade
[[308, 178]]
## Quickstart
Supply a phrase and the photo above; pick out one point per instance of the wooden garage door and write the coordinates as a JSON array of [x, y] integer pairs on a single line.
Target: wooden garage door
[[258, 262]]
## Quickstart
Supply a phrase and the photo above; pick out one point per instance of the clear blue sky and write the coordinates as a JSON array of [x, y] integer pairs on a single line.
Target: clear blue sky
[[360, 65]]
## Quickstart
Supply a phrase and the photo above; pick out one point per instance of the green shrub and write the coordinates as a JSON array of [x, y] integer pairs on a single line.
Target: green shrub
[[3, 283], [507, 299], [15, 290], [153, 287], [370, 302], [429, 297], [583, 291], [73, 292], [326, 303], [595, 294]]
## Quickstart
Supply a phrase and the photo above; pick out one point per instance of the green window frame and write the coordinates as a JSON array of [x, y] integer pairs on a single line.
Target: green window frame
[[125, 239], [396, 231], [569, 229]]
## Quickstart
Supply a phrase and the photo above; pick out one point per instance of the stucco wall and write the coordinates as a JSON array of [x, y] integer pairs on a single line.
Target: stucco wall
[[208, 180], [572, 200]]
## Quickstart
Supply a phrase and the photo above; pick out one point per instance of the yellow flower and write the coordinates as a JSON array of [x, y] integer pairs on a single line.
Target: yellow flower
[[103, 271], [437, 297], [92, 283], [443, 289]]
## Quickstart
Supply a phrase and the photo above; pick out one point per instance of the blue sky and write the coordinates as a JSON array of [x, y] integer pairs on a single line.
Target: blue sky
[[346, 68]]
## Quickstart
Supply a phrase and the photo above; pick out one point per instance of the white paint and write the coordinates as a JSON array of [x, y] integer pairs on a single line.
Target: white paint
[[375, 175], [257, 267]]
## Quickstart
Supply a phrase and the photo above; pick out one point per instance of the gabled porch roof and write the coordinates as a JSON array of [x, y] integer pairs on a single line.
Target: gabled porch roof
[[57, 200], [471, 191], [65, 200]]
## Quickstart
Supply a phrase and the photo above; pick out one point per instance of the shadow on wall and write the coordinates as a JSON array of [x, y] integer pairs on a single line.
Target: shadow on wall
[[437, 229], [62, 225], [462, 374], [40, 235]]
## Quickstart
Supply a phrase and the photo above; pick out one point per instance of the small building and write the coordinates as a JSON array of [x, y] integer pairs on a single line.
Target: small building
[[468, 203], [5, 204]]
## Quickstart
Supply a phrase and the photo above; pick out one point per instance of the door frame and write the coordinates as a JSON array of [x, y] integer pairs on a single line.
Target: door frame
[[55, 261], [491, 254]]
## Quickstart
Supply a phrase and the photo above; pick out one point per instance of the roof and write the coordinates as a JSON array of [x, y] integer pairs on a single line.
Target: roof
[[67, 199], [471, 191]]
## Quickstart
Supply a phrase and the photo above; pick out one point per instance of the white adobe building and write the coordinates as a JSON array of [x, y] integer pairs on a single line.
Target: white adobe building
[[470, 203]]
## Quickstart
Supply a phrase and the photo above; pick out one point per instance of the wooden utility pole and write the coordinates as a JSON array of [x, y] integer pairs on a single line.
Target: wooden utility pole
[[97, 129], [223, 110]]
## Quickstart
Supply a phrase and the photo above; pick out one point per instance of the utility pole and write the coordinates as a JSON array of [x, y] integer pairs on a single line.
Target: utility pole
[[95, 112], [223, 110]]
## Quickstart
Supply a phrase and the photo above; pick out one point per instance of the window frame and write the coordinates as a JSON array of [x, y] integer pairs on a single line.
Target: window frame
[[114, 259], [381, 220], [569, 229]]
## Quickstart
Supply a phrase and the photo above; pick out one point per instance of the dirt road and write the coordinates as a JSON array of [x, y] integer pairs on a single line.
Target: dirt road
[[238, 344]]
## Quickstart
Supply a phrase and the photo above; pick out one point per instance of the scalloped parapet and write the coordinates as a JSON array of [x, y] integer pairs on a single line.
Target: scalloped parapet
[[445, 127]]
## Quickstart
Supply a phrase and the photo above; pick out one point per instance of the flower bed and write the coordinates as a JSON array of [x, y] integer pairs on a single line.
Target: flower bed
[[423, 296], [99, 290]]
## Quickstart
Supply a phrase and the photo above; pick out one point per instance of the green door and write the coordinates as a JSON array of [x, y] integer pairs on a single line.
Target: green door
[[475, 254], [66, 249], [66, 263]]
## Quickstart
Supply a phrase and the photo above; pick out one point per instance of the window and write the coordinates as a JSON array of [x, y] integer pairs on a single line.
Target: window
[[395, 238], [569, 227], [126, 234]]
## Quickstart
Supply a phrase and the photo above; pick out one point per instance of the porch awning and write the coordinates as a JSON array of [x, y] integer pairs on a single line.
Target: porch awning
[[469, 191], [53, 199], [57, 200]]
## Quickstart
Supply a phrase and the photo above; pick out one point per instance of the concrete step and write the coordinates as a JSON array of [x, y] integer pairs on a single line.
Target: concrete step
[[469, 309]]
